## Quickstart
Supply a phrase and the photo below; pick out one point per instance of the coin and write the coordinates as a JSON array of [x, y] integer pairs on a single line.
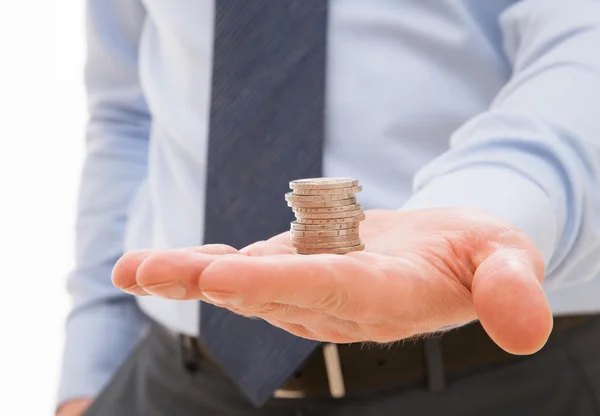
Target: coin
[[322, 221], [326, 210], [326, 215], [323, 227], [293, 197], [332, 244], [323, 204], [341, 250], [323, 183], [324, 239], [320, 233], [329, 192]]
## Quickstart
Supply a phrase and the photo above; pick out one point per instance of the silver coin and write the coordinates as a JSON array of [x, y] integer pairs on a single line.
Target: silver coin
[[332, 244], [323, 204], [324, 234], [341, 191], [340, 250], [327, 215], [295, 225], [323, 183], [327, 210], [293, 197], [326, 239], [322, 221]]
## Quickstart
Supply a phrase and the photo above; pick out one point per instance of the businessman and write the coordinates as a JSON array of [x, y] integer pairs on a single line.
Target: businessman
[[474, 129]]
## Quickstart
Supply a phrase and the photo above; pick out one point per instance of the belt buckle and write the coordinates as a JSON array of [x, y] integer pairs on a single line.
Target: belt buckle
[[335, 376]]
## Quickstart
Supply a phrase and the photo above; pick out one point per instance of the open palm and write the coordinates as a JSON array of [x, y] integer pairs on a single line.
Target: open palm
[[422, 271]]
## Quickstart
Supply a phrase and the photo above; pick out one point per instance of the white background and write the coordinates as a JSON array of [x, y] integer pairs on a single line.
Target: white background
[[42, 116]]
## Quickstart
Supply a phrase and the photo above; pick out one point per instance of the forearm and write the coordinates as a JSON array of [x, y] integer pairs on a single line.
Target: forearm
[[533, 158], [105, 323]]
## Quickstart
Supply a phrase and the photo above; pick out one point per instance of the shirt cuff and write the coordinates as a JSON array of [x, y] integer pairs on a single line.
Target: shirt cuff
[[499, 191], [97, 341]]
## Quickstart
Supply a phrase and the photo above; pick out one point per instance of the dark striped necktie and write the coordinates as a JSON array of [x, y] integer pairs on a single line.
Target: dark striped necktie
[[266, 128]]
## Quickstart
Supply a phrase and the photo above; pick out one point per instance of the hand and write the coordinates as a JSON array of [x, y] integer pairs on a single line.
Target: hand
[[421, 271], [74, 407]]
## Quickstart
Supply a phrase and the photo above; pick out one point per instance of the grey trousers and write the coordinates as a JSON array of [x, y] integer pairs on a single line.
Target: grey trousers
[[562, 379]]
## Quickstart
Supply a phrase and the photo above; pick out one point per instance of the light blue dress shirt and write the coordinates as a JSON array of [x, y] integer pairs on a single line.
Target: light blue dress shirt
[[494, 104]]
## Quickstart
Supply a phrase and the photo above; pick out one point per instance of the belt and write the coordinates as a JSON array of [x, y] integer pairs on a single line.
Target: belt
[[337, 370]]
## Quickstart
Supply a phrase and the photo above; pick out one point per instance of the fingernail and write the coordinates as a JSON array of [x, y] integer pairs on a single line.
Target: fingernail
[[223, 298], [136, 290], [171, 290]]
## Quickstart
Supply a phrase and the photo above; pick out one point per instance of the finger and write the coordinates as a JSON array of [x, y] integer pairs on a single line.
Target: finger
[[341, 286], [294, 329], [316, 282], [174, 274], [510, 302], [284, 239], [212, 249], [124, 275], [266, 248], [171, 274], [336, 330], [411, 298]]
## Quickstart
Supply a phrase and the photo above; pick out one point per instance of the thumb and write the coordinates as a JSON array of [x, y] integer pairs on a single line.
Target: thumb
[[510, 302]]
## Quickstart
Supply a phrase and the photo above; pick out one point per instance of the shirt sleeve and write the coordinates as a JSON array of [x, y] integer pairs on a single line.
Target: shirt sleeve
[[534, 157], [105, 323]]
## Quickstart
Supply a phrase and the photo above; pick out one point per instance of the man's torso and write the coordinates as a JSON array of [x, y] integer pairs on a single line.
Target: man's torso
[[401, 77]]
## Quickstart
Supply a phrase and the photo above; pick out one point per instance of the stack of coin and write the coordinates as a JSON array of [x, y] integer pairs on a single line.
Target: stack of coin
[[327, 215]]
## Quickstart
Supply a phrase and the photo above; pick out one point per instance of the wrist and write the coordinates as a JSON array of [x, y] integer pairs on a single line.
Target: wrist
[[498, 191]]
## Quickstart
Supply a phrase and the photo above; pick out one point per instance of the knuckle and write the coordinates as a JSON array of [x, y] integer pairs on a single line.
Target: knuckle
[[288, 312], [295, 329], [334, 336], [262, 309], [156, 268], [338, 330], [257, 245], [268, 308], [343, 326], [264, 248], [215, 249], [333, 300], [244, 313]]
